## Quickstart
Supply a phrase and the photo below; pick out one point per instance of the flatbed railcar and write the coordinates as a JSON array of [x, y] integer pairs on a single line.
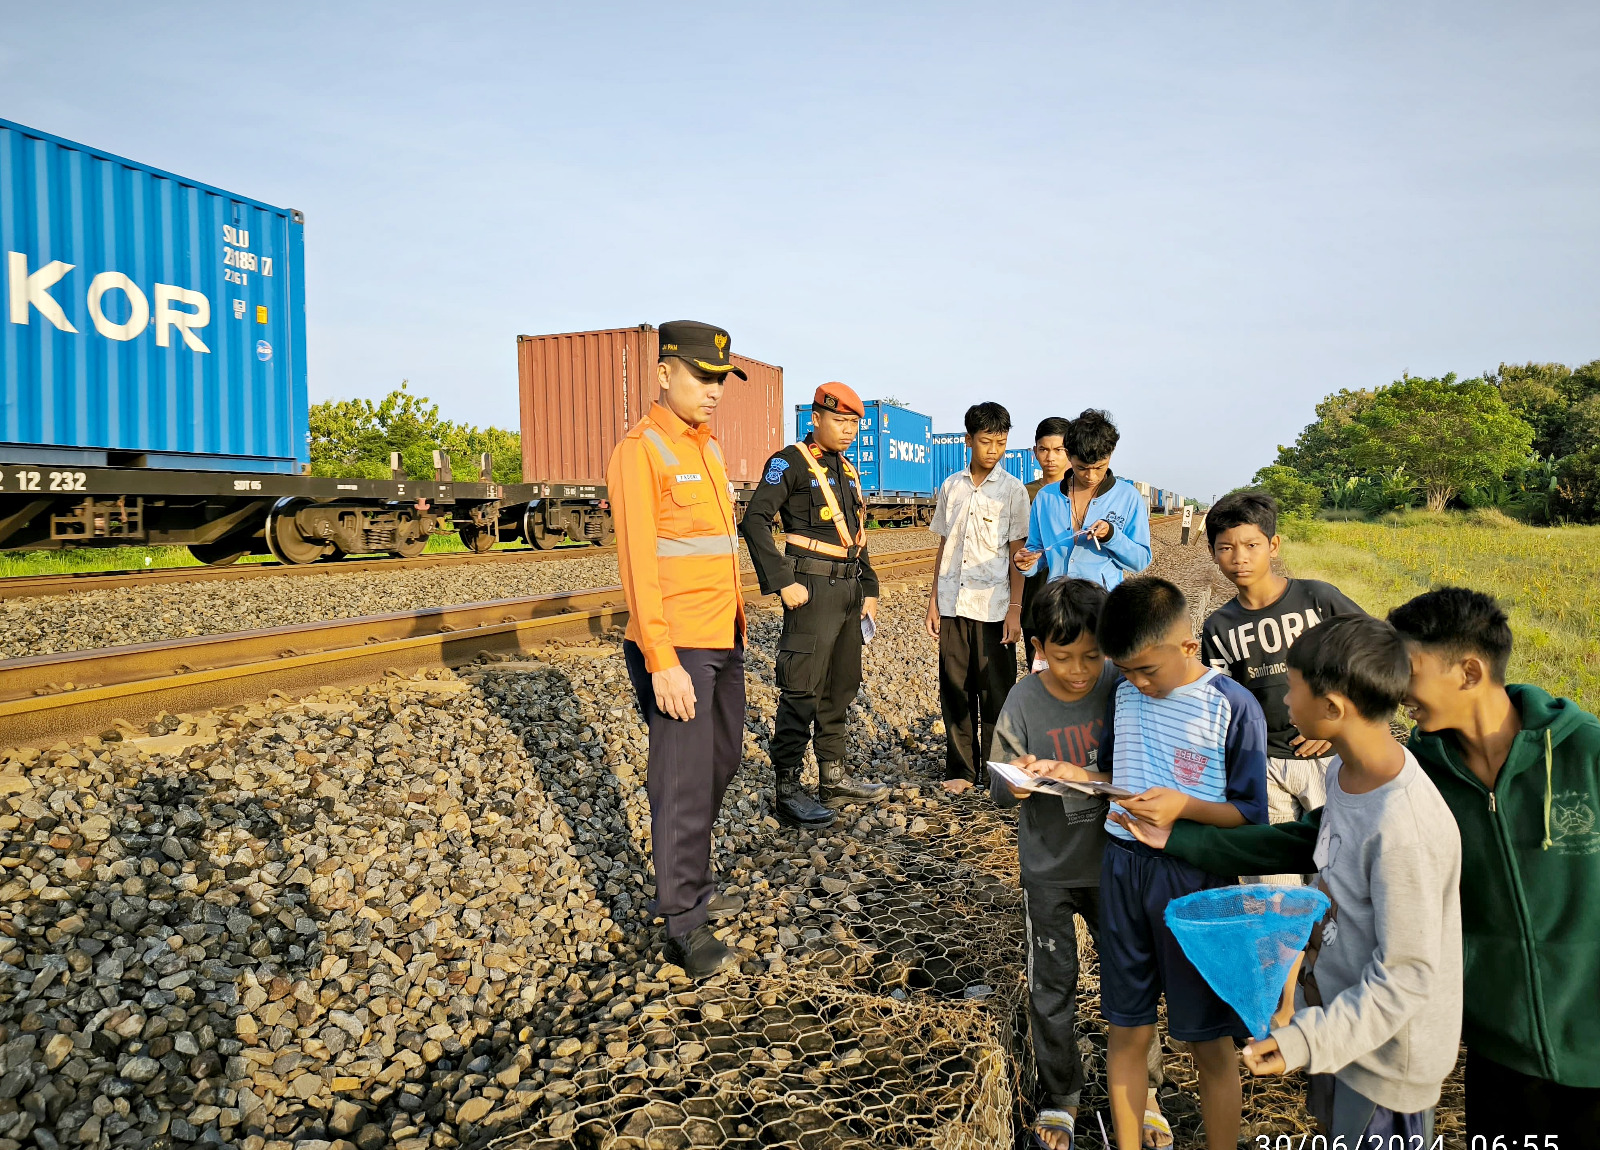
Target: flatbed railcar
[[223, 516]]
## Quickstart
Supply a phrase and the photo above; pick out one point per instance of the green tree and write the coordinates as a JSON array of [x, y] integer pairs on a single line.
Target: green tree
[[1577, 489], [1561, 404], [354, 438], [1297, 496], [1446, 433], [1321, 453]]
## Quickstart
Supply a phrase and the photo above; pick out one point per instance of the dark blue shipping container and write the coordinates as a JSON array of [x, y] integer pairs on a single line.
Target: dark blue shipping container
[[150, 320], [893, 450], [949, 455]]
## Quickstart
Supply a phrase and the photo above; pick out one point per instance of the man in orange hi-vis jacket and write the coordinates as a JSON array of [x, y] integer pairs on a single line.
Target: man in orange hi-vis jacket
[[678, 551]]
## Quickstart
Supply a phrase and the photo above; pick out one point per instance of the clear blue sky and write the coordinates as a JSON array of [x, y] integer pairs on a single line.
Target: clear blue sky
[[1203, 217]]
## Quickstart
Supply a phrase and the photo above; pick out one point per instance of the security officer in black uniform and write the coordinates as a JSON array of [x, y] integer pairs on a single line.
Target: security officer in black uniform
[[829, 592]]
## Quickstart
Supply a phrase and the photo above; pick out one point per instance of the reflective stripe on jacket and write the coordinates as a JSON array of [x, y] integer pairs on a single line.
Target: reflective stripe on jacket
[[677, 542]]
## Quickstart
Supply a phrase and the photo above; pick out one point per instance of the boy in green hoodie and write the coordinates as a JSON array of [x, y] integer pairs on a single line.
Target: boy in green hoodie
[[1520, 771]]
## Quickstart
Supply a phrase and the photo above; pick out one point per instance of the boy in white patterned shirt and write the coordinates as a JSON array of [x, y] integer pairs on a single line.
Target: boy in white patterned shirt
[[975, 608]]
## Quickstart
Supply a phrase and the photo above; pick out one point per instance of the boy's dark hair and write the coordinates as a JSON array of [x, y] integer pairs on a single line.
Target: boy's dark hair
[[987, 418], [1053, 425], [1067, 608], [1092, 436], [1362, 658], [1139, 613], [1238, 508], [1456, 621]]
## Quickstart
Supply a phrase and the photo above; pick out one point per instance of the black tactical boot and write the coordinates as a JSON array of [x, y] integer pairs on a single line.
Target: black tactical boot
[[700, 953], [835, 787], [796, 807], [724, 906]]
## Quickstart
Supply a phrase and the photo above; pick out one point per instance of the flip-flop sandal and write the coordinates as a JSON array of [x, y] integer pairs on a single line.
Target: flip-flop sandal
[[1057, 1121], [1155, 1125]]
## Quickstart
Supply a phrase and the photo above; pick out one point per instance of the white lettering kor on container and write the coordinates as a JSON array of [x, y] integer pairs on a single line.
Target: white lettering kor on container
[[30, 291]]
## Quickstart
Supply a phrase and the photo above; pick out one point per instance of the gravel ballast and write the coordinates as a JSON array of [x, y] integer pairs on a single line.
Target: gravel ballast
[[413, 914], [88, 620]]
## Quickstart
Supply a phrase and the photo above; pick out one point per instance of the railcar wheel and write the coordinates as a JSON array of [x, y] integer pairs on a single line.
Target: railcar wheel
[[220, 553], [534, 532], [411, 541], [284, 539], [476, 539]]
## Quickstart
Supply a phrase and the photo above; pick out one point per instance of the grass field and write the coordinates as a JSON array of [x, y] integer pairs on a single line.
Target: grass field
[[1548, 578], [135, 558]]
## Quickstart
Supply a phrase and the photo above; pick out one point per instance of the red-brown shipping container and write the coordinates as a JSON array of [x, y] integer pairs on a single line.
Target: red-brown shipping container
[[581, 391]]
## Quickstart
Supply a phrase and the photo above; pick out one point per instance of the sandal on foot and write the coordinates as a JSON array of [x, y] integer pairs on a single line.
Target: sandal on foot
[[1056, 1121], [1155, 1128]]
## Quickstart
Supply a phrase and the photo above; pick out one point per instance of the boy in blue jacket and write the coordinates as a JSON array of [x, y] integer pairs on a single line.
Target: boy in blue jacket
[[1091, 525]]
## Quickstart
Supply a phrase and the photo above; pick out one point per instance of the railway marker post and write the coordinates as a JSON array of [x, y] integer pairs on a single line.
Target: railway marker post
[[1188, 518]]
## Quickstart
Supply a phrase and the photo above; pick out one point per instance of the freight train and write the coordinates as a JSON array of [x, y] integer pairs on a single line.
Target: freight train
[[153, 390]]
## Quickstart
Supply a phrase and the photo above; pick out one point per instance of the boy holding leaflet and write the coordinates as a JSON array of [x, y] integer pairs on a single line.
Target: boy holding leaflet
[[1192, 742], [1052, 725]]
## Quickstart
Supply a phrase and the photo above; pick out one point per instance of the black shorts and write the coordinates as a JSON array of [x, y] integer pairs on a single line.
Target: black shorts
[[1139, 957]]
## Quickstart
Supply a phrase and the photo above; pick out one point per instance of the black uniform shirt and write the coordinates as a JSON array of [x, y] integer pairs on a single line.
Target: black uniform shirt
[[790, 493]]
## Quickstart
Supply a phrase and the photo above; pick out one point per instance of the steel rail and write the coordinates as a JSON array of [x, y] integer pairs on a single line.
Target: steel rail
[[55, 697], [67, 583]]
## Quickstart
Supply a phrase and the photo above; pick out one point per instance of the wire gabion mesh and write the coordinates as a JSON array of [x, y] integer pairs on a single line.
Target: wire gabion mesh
[[784, 1063]]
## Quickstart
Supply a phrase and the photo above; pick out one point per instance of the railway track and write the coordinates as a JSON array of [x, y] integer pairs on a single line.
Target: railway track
[[36, 586], [63, 696]]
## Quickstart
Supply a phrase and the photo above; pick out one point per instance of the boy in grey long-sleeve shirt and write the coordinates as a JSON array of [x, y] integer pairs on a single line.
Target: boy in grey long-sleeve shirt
[[1379, 1018]]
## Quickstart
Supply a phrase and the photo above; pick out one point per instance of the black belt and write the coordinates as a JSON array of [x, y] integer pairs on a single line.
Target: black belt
[[833, 569]]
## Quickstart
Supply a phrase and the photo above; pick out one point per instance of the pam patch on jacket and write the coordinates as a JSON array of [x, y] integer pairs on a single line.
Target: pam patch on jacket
[[776, 466], [689, 477]]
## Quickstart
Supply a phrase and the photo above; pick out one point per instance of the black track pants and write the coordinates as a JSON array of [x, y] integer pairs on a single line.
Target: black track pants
[[1053, 985]]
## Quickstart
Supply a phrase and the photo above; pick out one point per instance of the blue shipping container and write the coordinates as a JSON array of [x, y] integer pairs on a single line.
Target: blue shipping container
[[1023, 465], [949, 455], [150, 319], [893, 450]]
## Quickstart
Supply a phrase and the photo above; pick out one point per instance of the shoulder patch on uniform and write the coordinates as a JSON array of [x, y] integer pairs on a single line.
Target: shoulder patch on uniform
[[776, 466]]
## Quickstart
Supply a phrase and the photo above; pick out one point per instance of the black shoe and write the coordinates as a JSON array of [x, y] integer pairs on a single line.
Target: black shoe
[[700, 953], [836, 787], [796, 808], [724, 906]]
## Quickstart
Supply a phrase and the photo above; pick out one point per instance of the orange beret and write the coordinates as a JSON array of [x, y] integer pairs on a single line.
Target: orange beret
[[837, 397]]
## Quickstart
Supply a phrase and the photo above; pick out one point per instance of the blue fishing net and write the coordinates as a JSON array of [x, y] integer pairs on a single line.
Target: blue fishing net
[[1244, 939]]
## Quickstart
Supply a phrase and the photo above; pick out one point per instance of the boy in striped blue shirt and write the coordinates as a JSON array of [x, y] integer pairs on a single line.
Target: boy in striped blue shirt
[[1192, 744]]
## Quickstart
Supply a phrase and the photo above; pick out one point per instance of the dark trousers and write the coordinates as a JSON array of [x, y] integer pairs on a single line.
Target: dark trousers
[[1503, 1101], [1031, 586], [818, 673], [1048, 913], [691, 764], [976, 673], [1349, 1118]]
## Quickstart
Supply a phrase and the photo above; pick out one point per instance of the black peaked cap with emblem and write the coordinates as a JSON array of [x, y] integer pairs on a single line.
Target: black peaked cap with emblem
[[708, 347]]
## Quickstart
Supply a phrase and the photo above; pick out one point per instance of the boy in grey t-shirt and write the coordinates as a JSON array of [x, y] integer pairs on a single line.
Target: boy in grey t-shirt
[[1052, 724], [1380, 1007]]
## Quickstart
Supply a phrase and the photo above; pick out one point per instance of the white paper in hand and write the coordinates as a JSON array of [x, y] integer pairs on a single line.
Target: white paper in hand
[[1021, 780], [1016, 778], [868, 628]]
